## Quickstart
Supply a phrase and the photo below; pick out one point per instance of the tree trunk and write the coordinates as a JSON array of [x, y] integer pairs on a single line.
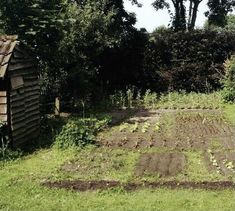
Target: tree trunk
[[179, 22], [190, 13], [182, 16], [194, 16]]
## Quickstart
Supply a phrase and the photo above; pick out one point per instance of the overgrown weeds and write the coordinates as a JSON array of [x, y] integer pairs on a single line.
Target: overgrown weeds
[[133, 98]]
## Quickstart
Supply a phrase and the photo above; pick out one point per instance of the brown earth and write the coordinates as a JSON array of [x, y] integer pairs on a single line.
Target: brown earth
[[163, 164], [121, 115], [183, 130], [82, 186]]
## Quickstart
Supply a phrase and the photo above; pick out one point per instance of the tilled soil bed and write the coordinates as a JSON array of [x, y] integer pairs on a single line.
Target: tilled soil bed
[[83, 186], [163, 164], [183, 130]]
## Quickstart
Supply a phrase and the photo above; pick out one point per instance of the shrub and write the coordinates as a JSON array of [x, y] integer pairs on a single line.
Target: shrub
[[79, 132], [229, 81], [4, 142], [5, 152]]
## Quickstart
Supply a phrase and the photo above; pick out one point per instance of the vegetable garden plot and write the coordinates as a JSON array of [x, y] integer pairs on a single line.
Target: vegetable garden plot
[[156, 149], [186, 130]]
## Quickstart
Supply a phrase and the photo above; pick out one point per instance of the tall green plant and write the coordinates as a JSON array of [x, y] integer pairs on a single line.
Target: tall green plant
[[229, 80]]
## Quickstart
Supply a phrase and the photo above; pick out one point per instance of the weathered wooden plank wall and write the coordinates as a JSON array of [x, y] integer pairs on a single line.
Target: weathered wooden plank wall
[[24, 97], [3, 106]]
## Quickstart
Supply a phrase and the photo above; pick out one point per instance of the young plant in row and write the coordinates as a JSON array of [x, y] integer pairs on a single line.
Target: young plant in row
[[123, 127], [134, 128], [229, 165], [145, 127], [157, 127], [214, 161]]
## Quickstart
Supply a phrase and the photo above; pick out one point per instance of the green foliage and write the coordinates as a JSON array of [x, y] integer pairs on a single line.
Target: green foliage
[[229, 27], [92, 42], [130, 97], [149, 99], [4, 145], [177, 100], [171, 100], [123, 99], [229, 81], [6, 153], [79, 132], [230, 23], [190, 61], [218, 10], [71, 40]]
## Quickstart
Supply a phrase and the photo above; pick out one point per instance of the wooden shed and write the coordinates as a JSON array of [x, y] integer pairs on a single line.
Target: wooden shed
[[19, 91]]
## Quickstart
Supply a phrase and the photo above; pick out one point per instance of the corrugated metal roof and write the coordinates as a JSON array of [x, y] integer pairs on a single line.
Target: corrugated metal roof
[[7, 45]]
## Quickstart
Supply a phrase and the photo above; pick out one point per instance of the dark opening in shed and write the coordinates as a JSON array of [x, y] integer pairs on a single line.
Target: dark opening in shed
[[19, 91]]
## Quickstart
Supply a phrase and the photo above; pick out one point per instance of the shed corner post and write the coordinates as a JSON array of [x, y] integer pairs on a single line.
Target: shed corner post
[[57, 106]]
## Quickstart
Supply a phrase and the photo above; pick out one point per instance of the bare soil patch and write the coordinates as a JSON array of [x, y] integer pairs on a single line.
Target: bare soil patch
[[83, 186], [121, 115], [163, 164]]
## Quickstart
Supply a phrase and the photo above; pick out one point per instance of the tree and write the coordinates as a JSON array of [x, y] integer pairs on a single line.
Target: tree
[[230, 23], [180, 20], [69, 37], [98, 27], [218, 11]]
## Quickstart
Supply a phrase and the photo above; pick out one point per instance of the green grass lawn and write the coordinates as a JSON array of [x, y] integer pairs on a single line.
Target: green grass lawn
[[21, 190], [230, 112]]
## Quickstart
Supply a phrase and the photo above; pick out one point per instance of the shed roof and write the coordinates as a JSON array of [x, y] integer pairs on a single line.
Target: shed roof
[[7, 45]]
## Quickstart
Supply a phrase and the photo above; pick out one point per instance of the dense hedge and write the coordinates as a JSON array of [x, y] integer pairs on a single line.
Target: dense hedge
[[190, 61]]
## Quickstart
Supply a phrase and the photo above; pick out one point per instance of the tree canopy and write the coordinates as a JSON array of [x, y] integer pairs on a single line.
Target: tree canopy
[[83, 46], [218, 11]]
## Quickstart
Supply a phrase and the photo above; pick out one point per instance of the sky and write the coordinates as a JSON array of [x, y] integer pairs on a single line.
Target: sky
[[149, 18]]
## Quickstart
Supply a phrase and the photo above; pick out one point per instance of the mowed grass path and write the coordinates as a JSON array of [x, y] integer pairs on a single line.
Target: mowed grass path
[[21, 189]]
